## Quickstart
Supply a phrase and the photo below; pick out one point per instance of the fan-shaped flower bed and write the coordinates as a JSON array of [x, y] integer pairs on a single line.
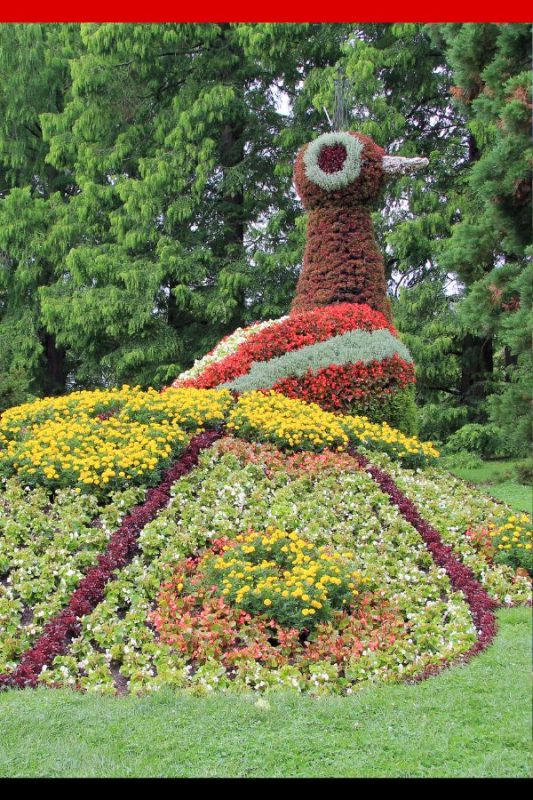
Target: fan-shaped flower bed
[[95, 591]]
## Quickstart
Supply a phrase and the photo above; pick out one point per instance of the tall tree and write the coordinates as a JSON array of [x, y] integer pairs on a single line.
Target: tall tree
[[174, 133], [489, 246], [34, 79]]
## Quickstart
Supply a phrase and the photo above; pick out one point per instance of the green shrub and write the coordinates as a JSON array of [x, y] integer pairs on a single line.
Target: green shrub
[[524, 472], [483, 440], [398, 409], [462, 460]]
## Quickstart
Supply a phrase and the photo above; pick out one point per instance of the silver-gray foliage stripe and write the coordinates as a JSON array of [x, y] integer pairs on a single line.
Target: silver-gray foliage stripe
[[348, 348]]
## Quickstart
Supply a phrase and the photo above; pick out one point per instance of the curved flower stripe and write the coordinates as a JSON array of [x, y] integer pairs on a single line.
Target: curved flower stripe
[[352, 347], [287, 423], [299, 425], [341, 388], [187, 408], [462, 578], [225, 347], [382, 437], [292, 333], [104, 440], [121, 548]]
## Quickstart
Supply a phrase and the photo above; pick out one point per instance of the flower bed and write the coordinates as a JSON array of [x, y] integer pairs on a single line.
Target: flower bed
[[362, 348], [462, 578], [290, 334], [509, 542], [226, 346], [45, 549], [58, 631], [101, 441], [276, 573], [296, 425], [281, 463], [287, 423], [455, 508], [410, 616], [344, 357]]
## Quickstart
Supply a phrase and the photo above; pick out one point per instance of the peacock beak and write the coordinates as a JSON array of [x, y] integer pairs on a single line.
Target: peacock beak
[[399, 165]]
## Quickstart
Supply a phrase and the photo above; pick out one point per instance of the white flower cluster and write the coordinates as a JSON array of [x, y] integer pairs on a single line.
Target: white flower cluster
[[226, 347], [453, 507], [45, 549]]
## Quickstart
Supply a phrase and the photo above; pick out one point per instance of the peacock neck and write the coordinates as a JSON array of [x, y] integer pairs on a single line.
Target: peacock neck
[[342, 262]]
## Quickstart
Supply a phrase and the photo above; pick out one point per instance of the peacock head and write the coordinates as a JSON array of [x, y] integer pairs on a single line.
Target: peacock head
[[346, 168]]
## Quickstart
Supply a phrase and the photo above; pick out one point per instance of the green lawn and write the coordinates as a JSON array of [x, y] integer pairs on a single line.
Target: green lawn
[[469, 721], [498, 479]]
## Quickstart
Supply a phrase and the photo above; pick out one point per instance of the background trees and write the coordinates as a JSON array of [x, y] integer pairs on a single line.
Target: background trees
[[146, 207]]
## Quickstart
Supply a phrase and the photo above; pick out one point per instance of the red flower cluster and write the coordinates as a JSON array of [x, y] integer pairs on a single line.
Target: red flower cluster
[[461, 578], [54, 640], [482, 541], [342, 262], [341, 386], [299, 330], [299, 464]]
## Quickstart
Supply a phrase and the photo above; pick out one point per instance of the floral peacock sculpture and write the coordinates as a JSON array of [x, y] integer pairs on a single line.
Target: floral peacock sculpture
[[338, 347], [267, 522]]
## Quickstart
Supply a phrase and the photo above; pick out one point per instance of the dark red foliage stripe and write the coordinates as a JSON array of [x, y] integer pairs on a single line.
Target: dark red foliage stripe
[[462, 578], [122, 546]]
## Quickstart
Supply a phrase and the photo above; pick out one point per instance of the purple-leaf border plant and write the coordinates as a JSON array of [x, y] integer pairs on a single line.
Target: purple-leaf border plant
[[462, 579], [122, 546]]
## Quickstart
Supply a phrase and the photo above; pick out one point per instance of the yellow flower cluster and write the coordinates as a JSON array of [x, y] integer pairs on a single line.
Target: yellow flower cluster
[[517, 533], [288, 423], [285, 576], [381, 436], [104, 439], [190, 408], [88, 452]]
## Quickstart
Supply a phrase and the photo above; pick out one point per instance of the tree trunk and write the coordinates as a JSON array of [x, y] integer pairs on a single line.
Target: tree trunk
[[54, 366], [477, 364]]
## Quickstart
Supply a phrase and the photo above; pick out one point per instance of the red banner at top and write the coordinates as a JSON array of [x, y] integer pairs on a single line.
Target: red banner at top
[[273, 11]]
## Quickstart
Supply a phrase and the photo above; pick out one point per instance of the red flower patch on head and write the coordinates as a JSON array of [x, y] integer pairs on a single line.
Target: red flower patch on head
[[332, 158]]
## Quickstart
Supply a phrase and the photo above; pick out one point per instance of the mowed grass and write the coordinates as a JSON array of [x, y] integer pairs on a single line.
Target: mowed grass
[[473, 720], [498, 478]]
